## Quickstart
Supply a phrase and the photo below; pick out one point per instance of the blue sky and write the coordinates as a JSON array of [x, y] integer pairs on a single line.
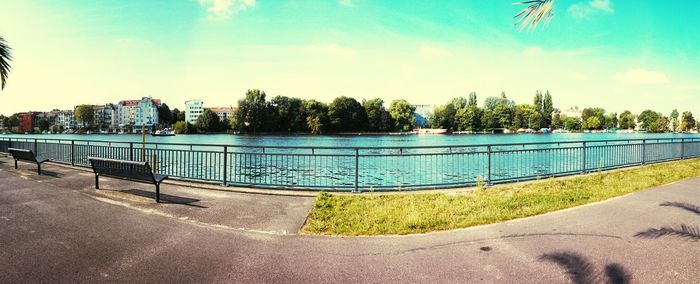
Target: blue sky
[[609, 53]]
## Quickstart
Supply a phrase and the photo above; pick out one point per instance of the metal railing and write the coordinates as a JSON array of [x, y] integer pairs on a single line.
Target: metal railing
[[368, 168]]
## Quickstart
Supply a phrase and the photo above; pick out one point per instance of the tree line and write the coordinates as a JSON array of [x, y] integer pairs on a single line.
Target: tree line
[[281, 114], [463, 114]]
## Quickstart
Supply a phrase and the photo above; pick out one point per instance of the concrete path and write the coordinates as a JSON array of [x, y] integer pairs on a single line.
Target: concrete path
[[57, 228]]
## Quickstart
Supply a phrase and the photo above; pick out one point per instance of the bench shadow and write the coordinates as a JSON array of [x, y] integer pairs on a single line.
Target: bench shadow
[[166, 198], [580, 270], [50, 173]]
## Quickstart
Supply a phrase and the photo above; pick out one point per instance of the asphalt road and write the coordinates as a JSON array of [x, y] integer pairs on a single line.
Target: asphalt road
[[57, 228]]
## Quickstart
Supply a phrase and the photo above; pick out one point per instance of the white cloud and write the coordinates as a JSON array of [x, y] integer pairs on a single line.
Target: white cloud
[[332, 49], [536, 51], [641, 76], [584, 10], [224, 9], [578, 76], [431, 51], [348, 3], [533, 51]]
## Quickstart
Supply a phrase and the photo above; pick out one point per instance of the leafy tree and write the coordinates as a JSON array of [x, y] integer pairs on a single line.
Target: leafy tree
[[128, 128], [251, 115], [378, 118], [647, 118], [498, 112], [459, 102], [593, 123], [403, 114], [5, 58], [84, 115], [524, 115], [472, 99], [347, 115], [547, 110], [316, 116], [43, 124], [176, 116], [12, 121], [687, 121], [572, 123], [287, 114], [627, 120], [443, 117], [208, 122], [468, 118], [674, 120], [598, 113], [611, 121], [557, 122], [165, 116], [56, 128], [183, 127]]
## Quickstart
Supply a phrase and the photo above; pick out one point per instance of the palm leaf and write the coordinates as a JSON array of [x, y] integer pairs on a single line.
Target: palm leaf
[[683, 205], [683, 231], [537, 11], [5, 58]]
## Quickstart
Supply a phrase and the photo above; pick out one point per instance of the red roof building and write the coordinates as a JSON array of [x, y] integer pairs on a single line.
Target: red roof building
[[26, 121]]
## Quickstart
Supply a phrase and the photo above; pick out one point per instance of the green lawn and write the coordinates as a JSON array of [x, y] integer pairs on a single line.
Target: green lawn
[[374, 214]]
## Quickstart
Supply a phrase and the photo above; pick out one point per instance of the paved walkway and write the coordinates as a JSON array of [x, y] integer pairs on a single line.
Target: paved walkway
[[57, 228]]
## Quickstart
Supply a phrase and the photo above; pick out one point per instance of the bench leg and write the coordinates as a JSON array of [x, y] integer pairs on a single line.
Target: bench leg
[[15, 164], [157, 192], [97, 182], [38, 168]]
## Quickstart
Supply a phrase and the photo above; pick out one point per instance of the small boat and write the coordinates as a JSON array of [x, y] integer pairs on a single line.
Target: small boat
[[432, 131], [164, 132]]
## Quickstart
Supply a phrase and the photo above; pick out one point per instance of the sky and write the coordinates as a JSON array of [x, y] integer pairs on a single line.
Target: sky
[[613, 54]]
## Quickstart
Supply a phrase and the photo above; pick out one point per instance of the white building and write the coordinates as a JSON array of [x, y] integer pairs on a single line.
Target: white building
[[138, 112], [573, 112], [193, 109], [66, 119], [146, 112], [223, 112]]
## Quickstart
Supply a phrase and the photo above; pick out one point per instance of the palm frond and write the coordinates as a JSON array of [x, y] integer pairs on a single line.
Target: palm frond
[[537, 11], [683, 231], [577, 266], [5, 58], [683, 205]]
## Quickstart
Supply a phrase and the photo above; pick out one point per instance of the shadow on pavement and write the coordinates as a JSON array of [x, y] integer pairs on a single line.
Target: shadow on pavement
[[580, 270], [166, 198], [683, 205], [683, 231]]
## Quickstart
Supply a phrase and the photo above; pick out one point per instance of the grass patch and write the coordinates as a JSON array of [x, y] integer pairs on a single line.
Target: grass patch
[[353, 215]]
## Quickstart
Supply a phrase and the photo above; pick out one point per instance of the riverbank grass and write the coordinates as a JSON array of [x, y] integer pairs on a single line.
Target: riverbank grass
[[352, 215]]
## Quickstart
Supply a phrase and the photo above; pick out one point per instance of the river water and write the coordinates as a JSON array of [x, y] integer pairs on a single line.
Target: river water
[[359, 140]]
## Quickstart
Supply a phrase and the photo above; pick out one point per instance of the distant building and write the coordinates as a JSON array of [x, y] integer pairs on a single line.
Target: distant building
[[193, 109], [137, 112], [573, 112], [66, 119], [422, 114], [27, 121], [224, 113], [146, 112]]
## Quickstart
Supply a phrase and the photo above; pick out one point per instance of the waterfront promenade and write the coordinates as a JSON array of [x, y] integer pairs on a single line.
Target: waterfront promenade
[[58, 228]]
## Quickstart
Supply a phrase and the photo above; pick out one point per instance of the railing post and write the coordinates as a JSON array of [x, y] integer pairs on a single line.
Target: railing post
[[131, 151], [682, 148], [225, 164], [644, 151], [72, 152], [9, 143], [583, 160], [488, 165], [357, 170]]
